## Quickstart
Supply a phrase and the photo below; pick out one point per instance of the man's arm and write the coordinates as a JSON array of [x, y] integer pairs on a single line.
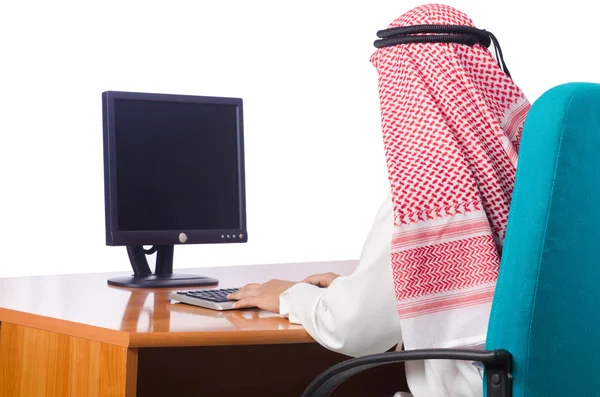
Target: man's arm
[[356, 314]]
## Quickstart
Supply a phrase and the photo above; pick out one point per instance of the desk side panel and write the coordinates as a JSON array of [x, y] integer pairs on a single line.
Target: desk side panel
[[40, 363], [282, 370]]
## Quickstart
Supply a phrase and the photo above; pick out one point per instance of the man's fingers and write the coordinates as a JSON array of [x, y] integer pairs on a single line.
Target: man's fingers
[[245, 291], [321, 280], [239, 295], [314, 279], [242, 303]]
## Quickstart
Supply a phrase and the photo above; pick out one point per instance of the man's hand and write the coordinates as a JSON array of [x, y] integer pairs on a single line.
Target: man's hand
[[323, 280], [264, 296]]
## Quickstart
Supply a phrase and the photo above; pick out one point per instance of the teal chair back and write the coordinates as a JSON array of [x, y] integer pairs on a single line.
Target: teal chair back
[[546, 308]]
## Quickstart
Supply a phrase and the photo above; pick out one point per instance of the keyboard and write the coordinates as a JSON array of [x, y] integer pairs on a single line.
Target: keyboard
[[215, 299]]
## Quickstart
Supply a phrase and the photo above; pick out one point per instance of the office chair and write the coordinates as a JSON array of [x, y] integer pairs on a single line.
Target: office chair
[[543, 336]]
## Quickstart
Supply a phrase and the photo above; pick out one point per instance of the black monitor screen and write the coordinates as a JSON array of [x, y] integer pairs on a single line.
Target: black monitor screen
[[176, 165]]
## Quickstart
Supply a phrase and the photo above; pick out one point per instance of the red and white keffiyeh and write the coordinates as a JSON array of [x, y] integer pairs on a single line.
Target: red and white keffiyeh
[[452, 122]]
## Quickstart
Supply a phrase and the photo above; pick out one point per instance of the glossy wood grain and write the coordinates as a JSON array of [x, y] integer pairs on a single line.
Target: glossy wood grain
[[85, 306], [39, 363]]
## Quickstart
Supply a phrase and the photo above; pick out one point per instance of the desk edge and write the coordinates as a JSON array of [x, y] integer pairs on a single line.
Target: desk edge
[[219, 338], [65, 327]]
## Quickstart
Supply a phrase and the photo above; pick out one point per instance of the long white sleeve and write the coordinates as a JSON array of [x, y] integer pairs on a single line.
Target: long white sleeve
[[357, 314]]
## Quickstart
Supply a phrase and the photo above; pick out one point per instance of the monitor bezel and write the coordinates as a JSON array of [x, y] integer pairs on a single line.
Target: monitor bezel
[[115, 237]]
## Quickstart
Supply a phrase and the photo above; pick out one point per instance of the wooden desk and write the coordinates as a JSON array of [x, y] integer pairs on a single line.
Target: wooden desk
[[75, 336]]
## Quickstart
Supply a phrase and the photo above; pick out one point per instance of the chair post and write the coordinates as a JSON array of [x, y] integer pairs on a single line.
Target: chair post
[[499, 375]]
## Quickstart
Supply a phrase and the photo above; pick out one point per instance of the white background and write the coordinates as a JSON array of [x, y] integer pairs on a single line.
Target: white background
[[314, 158]]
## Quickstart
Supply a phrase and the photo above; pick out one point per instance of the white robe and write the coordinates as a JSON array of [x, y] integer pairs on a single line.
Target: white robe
[[357, 316]]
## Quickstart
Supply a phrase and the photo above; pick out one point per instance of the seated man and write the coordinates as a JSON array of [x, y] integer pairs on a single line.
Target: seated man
[[452, 121]]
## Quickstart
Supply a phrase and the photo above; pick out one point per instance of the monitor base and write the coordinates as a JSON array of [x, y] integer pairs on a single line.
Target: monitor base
[[163, 276], [163, 281]]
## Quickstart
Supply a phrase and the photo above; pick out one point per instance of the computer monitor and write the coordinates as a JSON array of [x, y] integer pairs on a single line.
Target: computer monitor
[[173, 174]]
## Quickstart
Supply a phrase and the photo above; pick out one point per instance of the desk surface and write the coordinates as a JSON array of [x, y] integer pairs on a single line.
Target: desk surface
[[85, 306]]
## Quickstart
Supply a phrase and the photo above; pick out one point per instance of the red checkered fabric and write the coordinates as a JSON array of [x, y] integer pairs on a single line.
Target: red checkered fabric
[[452, 122]]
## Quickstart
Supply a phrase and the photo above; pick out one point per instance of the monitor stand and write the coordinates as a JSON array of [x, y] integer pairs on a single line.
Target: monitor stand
[[163, 276]]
